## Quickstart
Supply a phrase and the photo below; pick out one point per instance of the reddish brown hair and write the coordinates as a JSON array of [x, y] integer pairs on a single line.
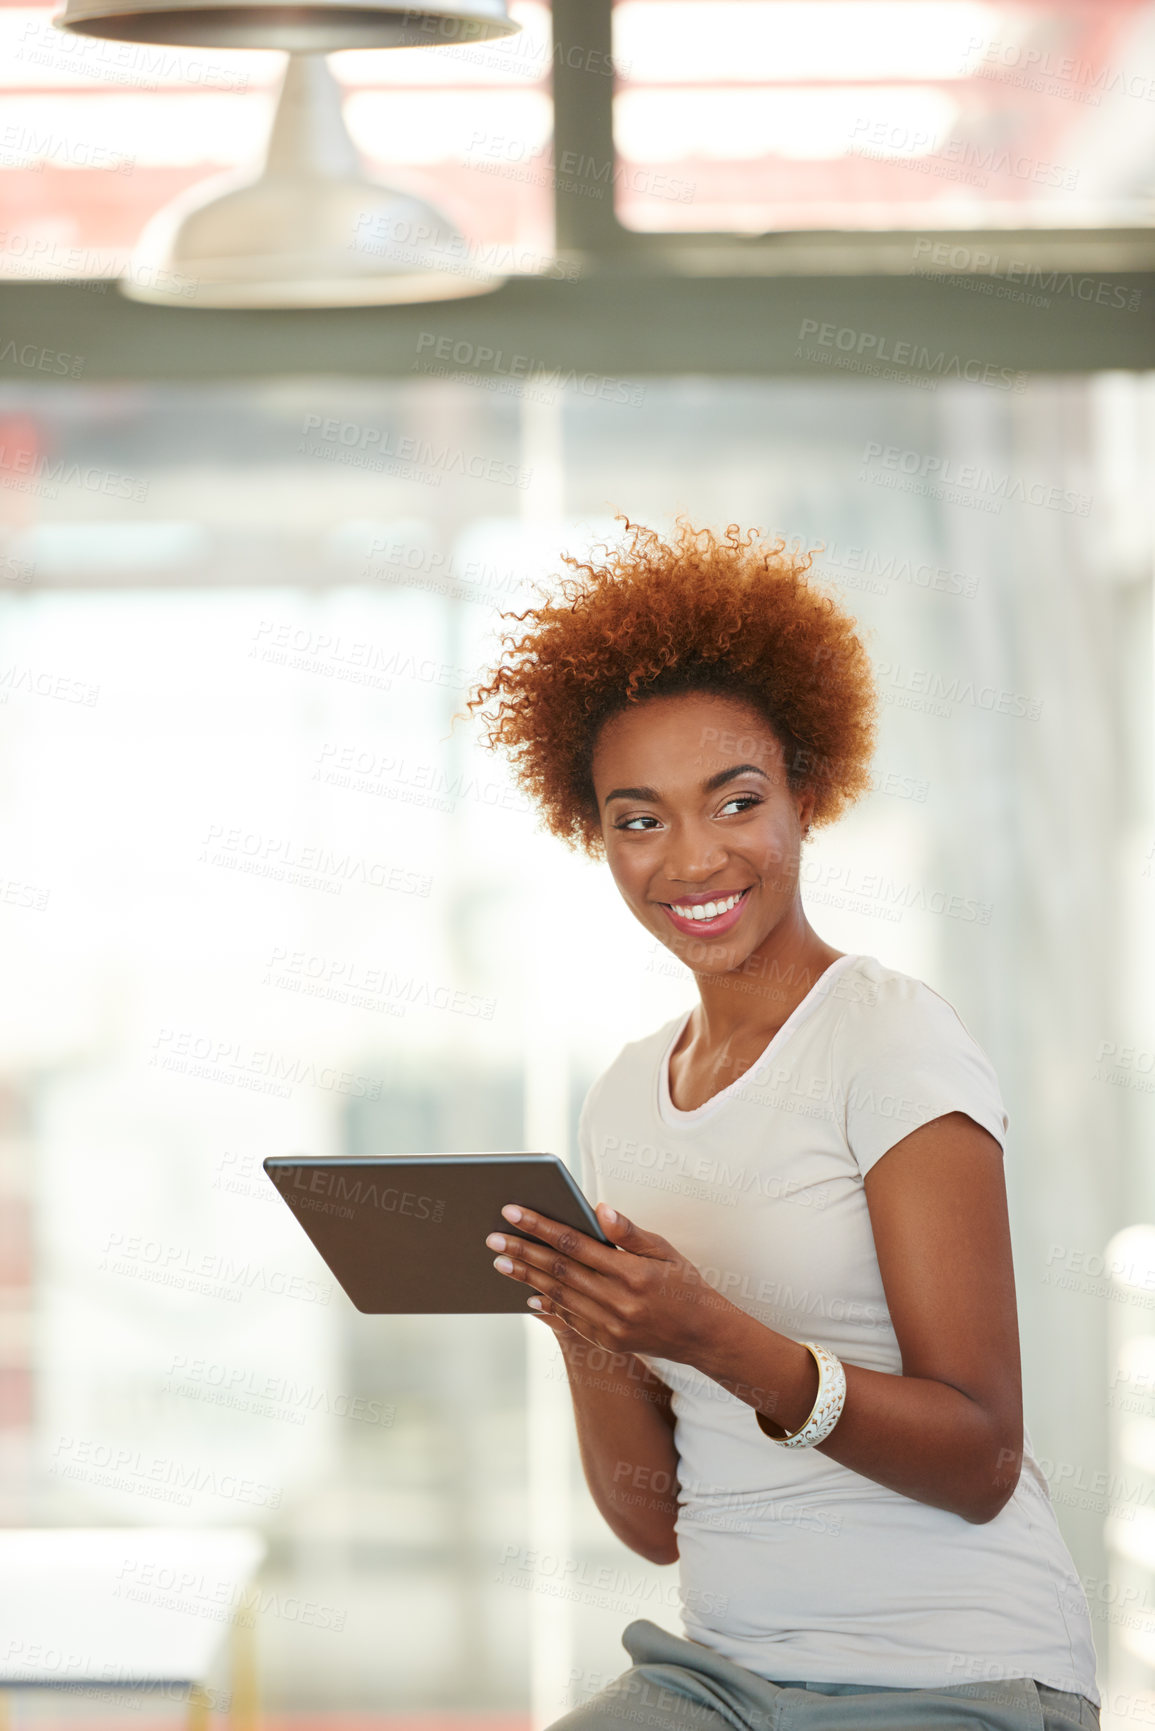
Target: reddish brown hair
[[728, 614]]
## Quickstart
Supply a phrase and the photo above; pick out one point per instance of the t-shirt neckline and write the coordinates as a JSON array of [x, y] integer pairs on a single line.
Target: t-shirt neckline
[[674, 1115]]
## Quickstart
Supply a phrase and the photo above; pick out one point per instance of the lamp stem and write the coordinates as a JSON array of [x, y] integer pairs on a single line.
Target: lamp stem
[[308, 135]]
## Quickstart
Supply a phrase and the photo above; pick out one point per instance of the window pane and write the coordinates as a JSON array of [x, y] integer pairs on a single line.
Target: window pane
[[241, 836], [749, 116]]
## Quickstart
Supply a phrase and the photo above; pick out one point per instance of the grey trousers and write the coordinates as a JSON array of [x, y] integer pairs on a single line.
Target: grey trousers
[[680, 1685]]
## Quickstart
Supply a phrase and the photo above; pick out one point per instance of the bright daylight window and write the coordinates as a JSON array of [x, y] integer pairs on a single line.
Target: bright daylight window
[[259, 897], [883, 114]]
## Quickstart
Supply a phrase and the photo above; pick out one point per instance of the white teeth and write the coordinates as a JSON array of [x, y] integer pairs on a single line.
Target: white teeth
[[707, 910]]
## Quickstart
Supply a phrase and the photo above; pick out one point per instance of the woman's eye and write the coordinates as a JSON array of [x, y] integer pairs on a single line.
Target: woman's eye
[[744, 800]]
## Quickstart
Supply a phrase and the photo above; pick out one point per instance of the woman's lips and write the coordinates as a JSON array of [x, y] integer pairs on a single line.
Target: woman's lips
[[708, 928]]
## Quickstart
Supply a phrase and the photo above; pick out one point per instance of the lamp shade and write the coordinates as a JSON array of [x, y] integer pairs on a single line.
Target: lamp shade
[[308, 228], [322, 26]]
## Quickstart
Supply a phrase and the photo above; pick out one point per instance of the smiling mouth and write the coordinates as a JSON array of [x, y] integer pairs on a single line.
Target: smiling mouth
[[705, 913]]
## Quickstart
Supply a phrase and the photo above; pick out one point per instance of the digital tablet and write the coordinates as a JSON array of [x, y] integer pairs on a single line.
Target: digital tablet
[[405, 1233]]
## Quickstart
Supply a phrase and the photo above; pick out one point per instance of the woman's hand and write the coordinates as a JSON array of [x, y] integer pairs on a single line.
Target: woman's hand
[[637, 1294]]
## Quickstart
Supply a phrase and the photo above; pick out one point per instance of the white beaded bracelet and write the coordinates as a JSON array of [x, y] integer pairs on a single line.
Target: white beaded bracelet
[[828, 1402]]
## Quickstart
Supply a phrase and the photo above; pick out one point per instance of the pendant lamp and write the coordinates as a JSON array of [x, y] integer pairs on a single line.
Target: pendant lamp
[[297, 26], [308, 228]]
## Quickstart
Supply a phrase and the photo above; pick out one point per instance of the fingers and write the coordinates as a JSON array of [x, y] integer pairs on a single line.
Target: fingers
[[564, 1323], [628, 1235], [625, 1233], [567, 1239], [561, 1292], [553, 1320], [538, 1263]]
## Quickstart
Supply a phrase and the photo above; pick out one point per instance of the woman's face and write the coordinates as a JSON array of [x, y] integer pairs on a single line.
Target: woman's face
[[696, 814]]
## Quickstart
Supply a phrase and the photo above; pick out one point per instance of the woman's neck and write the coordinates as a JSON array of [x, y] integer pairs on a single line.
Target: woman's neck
[[756, 998]]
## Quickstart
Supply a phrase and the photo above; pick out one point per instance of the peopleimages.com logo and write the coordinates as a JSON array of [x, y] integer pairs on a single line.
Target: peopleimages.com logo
[[923, 471]]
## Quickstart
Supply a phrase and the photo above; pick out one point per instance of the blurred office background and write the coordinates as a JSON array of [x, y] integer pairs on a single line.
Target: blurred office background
[[260, 893]]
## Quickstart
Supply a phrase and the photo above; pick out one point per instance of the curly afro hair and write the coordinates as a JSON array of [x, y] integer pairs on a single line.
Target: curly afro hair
[[729, 615]]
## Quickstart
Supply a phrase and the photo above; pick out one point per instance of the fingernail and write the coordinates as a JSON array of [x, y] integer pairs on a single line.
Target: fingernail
[[534, 1303], [502, 1262], [495, 1241], [611, 1214], [511, 1211]]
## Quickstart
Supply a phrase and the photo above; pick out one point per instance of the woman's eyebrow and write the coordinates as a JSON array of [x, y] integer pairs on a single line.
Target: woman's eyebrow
[[711, 783], [725, 775]]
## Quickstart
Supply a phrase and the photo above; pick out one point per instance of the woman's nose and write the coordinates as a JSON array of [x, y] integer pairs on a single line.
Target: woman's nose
[[692, 860]]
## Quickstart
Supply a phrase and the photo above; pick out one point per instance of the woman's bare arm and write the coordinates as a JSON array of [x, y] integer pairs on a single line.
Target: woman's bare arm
[[626, 1437], [949, 1429]]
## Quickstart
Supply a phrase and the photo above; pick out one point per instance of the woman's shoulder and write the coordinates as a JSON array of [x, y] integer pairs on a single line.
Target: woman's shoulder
[[904, 1055], [880, 998]]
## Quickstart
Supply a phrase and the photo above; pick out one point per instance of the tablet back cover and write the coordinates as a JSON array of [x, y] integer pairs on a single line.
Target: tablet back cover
[[406, 1234]]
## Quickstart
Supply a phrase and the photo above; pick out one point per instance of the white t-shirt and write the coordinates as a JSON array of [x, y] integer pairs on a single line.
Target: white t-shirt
[[791, 1564]]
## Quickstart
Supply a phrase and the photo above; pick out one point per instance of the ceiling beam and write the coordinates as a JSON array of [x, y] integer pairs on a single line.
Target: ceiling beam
[[610, 324]]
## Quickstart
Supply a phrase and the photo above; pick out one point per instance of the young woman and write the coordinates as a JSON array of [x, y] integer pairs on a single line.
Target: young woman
[[795, 1370]]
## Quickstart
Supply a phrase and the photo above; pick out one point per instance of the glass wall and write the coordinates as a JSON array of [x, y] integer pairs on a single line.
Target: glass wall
[[874, 114], [262, 895]]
